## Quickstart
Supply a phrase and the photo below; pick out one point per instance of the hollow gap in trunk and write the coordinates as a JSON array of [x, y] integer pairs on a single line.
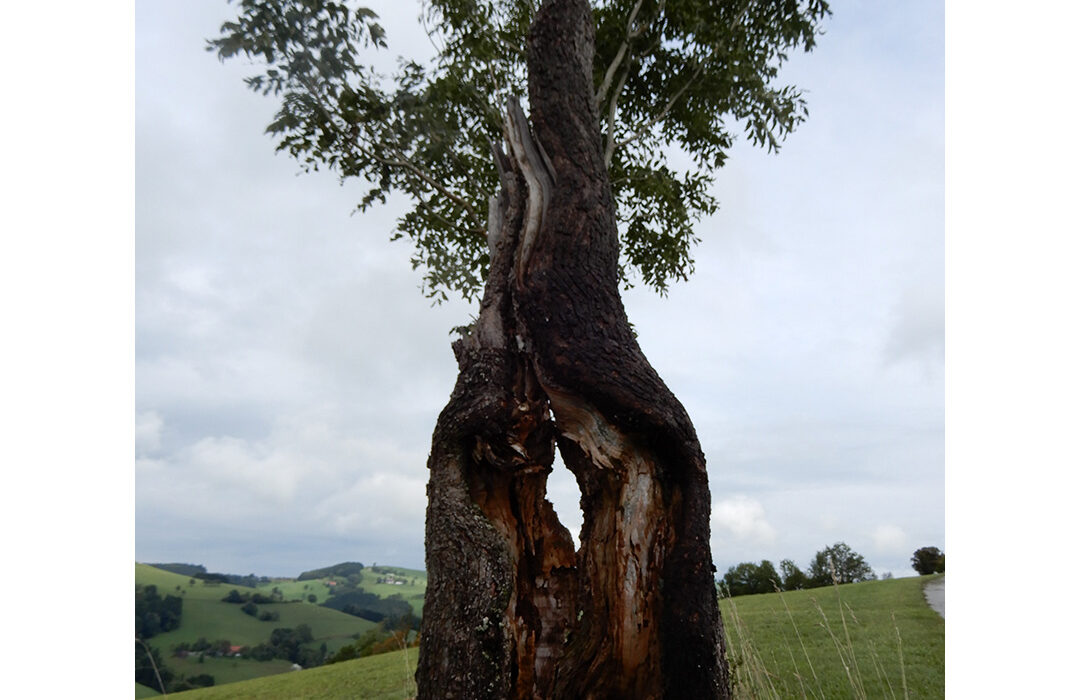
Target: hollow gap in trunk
[[565, 497]]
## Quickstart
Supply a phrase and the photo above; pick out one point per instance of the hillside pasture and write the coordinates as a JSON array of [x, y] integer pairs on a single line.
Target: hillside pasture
[[381, 677], [413, 594], [298, 590], [228, 670], [206, 615], [871, 639]]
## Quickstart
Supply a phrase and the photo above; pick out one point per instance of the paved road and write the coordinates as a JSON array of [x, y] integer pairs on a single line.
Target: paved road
[[935, 595]]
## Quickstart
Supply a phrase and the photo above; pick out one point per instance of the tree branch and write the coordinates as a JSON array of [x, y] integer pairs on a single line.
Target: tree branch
[[403, 161], [674, 98], [609, 149], [632, 33]]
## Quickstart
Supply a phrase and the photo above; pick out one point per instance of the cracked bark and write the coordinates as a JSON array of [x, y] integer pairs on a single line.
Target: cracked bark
[[512, 609]]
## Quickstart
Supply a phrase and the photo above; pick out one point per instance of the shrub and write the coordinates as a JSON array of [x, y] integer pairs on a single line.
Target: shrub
[[928, 560]]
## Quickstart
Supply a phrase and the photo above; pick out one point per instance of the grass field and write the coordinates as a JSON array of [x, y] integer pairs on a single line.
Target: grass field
[[380, 677], [298, 590], [205, 615], [226, 670], [413, 594], [872, 639]]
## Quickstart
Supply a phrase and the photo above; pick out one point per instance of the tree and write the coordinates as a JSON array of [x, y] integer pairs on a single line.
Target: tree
[[542, 217], [793, 577], [234, 596], [748, 578], [928, 560], [155, 614], [838, 564]]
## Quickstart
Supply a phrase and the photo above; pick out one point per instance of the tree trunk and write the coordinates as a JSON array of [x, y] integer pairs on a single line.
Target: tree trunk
[[512, 610]]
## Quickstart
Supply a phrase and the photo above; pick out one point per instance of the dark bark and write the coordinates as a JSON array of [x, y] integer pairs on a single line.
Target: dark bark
[[512, 610]]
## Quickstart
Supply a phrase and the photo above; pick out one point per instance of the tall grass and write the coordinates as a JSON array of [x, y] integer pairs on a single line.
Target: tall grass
[[802, 644]]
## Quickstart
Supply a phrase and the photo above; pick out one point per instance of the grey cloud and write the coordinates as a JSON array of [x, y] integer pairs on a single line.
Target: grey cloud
[[289, 373]]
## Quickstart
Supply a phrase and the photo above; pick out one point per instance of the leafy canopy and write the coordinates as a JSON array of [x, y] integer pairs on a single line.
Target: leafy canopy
[[671, 76], [838, 564]]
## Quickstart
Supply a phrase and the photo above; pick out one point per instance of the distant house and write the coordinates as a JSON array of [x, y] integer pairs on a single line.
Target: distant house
[[235, 650]]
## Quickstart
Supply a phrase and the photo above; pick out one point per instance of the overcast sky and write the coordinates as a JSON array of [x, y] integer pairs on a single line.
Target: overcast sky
[[288, 371]]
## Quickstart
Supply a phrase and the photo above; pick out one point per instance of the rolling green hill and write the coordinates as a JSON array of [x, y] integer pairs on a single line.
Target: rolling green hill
[[382, 677], [206, 615], [873, 639]]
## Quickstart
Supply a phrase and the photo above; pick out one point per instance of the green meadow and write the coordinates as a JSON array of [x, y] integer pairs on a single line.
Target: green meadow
[[411, 590], [413, 593], [380, 677], [206, 615], [873, 639]]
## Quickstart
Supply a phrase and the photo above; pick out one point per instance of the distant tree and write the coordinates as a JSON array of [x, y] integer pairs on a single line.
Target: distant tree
[[887, 576], [268, 616], [748, 578], [768, 580], [155, 614], [312, 598], [792, 576], [345, 653], [928, 560], [235, 596], [838, 563], [203, 680], [250, 609], [261, 652], [342, 569], [182, 569]]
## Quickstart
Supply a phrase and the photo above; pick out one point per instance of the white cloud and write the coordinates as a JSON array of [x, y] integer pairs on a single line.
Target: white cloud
[[890, 539], [742, 518], [289, 373]]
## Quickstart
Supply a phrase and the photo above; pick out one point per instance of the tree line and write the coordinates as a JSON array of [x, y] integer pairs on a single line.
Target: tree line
[[155, 614], [838, 563]]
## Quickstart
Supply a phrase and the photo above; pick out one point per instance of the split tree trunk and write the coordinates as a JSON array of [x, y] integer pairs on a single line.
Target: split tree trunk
[[512, 610]]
